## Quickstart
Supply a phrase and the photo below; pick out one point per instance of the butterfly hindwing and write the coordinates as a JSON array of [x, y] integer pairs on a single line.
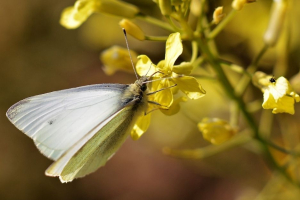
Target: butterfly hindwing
[[84, 159]]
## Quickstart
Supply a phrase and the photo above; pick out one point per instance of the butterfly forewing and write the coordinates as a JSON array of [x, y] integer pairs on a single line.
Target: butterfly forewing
[[56, 121]]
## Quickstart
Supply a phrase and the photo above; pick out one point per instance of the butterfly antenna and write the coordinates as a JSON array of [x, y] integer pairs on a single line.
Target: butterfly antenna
[[149, 69], [124, 31], [161, 79]]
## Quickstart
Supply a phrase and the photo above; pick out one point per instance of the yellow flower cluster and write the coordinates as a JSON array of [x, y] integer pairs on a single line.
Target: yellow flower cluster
[[169, 74], [166, 75]]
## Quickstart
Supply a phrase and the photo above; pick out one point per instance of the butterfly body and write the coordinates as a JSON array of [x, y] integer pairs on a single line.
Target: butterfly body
[[80, 128]]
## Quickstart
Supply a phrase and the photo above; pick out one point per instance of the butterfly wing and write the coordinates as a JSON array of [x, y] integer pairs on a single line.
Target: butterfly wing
[[58, 121], [95, 149]]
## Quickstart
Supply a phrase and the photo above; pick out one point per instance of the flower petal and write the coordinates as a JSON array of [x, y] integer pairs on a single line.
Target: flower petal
[[144, 66], [285, 105], [164, 97], [161, 66], [184, 68], [269, 101], [73, 17], [190, 86], [175, 107], [173, 49], [282, 87], [141, 126]]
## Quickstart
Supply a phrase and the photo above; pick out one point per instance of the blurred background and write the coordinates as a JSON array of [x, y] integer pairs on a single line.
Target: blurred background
[[38, 56]]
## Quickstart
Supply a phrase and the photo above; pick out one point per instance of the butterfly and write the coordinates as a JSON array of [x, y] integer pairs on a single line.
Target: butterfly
[[81, 128]]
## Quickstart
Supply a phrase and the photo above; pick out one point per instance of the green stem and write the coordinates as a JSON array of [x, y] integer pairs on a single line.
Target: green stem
[[230, 92], [199, 62], [234, 114], [199, 22], [254, 106], [266, 121], [210, 150], [259, 56], [234, 67], [187, 30], [156, 22], [156, 38], [281, 149], [194, 51], [175, 27], [226, 84], [245, 80], [212, 78], [222, 24]]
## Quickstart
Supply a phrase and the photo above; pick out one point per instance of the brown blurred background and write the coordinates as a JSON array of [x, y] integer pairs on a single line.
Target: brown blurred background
[[38, 55]]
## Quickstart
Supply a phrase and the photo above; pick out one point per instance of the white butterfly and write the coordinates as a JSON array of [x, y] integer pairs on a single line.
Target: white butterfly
[[80, 128]]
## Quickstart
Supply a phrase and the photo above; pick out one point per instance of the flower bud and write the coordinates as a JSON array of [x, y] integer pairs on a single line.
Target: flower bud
[[117, 58], [239, 4], [118, 8], [165, 7], [216, 131], [261, 80], [132, 29], [218, 15], [278, 13]]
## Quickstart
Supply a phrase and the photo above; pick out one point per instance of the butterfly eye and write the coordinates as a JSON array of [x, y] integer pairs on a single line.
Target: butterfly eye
[[144, 87]]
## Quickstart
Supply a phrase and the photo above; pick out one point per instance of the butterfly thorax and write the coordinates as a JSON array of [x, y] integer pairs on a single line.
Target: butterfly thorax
[[136, 93]]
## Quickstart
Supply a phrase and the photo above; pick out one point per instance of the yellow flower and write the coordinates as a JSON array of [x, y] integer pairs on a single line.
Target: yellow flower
[[169, 74], [140, 126], [216, 131], [278, 94], [72, 17], [117, 58]]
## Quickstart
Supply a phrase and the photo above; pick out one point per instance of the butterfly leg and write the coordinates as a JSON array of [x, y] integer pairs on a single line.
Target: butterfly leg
[[146, 113], [155, 73], [161, 89], [158, 104]]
